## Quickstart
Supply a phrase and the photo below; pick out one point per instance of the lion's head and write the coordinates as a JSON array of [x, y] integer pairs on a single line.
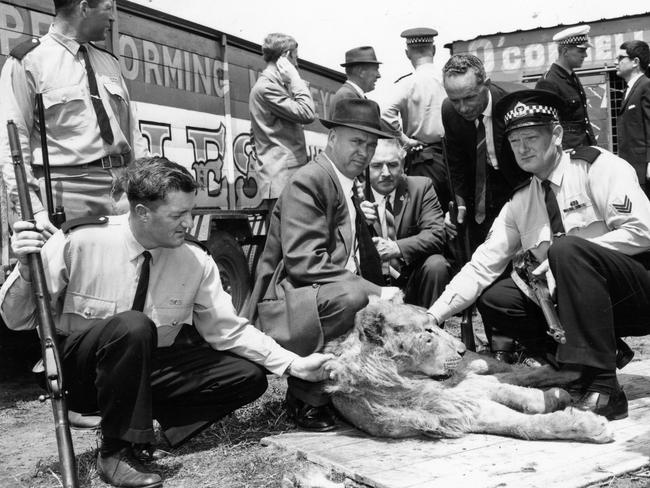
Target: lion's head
[[408, 336]]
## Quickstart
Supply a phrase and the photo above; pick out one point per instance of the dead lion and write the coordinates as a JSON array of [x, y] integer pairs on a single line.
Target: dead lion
[[383, 385]]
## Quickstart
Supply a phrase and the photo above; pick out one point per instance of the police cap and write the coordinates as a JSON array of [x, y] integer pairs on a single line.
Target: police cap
[[527, 108], [419, 35], [573, 36]]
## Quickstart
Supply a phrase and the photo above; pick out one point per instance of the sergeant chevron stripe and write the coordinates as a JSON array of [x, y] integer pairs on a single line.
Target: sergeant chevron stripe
[[625, 207]]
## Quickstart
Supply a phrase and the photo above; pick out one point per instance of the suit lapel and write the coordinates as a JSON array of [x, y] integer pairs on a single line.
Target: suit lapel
[[498, 125], [345, 229], [627, 99]]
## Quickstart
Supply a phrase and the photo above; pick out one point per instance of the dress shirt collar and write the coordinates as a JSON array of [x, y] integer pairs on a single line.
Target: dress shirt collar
[[346, 183], [557, 174], [631, 83], [357, 88], [379, 198], [67, 42], [487, 113], [134, 248]]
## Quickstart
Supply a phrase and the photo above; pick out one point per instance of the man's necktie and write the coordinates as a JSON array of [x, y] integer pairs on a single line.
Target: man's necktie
[[143, 284], [390, 219], [553, 210], [369, 260], [102, 117], [481, 163]]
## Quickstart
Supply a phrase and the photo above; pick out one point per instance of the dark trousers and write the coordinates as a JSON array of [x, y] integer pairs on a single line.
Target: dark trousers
[[427, 282], [430, 163], [337, 305], [601, 295], [115, 367]]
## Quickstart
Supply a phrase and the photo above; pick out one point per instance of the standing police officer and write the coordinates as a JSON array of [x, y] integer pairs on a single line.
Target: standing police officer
[[92, 131], [414, 112], [572, 44]]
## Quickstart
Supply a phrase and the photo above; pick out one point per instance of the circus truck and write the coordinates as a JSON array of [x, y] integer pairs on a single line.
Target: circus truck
[[190, 85]]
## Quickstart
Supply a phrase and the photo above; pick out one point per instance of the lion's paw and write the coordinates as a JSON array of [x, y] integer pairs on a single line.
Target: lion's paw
[[590, 427]]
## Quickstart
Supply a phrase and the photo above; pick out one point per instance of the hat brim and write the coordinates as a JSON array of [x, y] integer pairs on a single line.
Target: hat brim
[[361, 62], [531, 123], [330, 124]]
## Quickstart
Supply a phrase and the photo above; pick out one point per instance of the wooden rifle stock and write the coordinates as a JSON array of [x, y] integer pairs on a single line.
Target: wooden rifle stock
[[46, 329], [463, 253]]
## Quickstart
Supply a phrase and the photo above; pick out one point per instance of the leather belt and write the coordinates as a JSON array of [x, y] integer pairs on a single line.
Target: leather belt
[[111, 161]]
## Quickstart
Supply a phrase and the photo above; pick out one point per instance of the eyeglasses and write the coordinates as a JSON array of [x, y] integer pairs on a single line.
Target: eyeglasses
[[621, 57]]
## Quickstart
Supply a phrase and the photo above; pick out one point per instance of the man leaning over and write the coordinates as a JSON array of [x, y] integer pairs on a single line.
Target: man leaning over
[[585, 218], [319, 264], [121, 320]]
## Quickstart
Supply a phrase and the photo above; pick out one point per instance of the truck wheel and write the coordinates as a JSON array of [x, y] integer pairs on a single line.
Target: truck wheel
[[233, 267]]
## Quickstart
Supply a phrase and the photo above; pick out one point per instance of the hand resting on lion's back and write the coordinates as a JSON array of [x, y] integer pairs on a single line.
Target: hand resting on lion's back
[[399, 375]]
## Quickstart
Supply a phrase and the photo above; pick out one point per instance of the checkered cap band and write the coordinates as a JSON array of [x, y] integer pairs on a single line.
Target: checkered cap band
[[419, 40], [521, 110], [574, 40]]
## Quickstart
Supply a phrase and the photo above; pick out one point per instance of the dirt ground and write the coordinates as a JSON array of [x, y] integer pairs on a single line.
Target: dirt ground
[[227, 455]]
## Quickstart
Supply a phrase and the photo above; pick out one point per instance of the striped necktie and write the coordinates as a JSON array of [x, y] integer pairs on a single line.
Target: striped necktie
[[481, 163], [102, 117], [553, 210]]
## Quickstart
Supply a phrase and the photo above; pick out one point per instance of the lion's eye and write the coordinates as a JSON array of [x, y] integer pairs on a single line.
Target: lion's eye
[[430, 331]]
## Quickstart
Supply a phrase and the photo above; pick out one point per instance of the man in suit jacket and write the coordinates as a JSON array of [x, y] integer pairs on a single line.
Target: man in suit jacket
[[319, 265], [280, 104], [408, 224], [362, 69], [633, 120], [471, 97]]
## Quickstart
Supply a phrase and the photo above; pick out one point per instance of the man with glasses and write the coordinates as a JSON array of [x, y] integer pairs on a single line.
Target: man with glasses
[[572, 44], [408, 225], [633, 118]]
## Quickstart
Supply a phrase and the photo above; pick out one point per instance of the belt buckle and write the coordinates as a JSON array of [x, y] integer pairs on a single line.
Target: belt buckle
[[106, 162]]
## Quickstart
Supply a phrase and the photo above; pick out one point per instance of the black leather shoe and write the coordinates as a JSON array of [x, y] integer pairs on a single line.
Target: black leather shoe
[[611, 406], [308, 417], [504, 356], [122, 469]]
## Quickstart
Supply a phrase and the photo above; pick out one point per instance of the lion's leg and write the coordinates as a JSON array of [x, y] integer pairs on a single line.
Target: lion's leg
[[479, 364], [527, 400], [542, 377], [570, 424]]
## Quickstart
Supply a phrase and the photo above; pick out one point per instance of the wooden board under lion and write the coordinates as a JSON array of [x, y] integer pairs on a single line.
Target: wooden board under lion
[[483, 461]]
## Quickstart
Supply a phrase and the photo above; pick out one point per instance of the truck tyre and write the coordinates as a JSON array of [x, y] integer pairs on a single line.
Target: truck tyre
[[233, 266]]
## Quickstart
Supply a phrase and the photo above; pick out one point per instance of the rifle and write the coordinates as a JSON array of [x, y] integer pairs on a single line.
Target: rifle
[[523, 265], [46, 329], [462, 251], [56, 215]]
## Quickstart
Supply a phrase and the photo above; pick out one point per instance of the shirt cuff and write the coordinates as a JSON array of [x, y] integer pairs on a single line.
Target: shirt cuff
[[440, 311]]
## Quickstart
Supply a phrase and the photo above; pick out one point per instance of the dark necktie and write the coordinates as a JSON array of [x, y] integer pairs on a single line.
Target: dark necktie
[[143, 284], [481, 163], [553, 210], [369, 260], [102, 117]]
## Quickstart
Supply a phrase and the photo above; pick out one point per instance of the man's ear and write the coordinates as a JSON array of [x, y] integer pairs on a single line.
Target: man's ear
[[558, 133], [142, 212]]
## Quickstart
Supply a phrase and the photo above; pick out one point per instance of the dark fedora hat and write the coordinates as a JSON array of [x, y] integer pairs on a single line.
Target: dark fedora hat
[[357, 113], [359, 55]]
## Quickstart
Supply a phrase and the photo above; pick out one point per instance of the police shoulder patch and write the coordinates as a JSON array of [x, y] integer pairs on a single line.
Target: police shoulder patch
[[520, 186], [194, 240], [586, 153], [105, 50], [21, 50], [83, 221], [402, 77]]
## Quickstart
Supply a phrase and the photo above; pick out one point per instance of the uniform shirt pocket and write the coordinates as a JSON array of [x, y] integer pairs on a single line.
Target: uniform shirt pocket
[[64, 110], [88, 307], [578, 212], [169, 321]]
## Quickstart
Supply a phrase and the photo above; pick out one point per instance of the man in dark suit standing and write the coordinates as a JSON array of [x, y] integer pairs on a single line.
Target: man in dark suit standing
[[319, 264], [474, 139], [633, 119], [362, 69], [572, 44], [408, 224]]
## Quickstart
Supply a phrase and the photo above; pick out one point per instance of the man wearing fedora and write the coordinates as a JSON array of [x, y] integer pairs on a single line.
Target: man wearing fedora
[[561, 79], [362, 69], [584, 218], [319, 264]]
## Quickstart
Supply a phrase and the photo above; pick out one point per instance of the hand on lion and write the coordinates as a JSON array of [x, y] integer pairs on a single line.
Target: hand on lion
[[315, 367]]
